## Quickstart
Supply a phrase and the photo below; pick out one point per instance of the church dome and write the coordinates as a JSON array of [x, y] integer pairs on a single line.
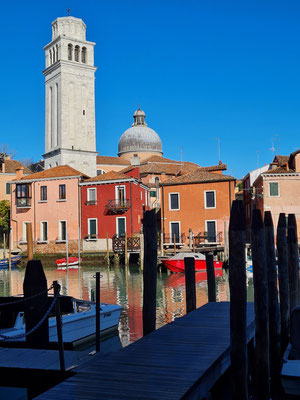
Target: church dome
[[140, 138]]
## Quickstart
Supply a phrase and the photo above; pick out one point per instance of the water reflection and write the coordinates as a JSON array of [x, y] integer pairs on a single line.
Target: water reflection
[[123, 285]]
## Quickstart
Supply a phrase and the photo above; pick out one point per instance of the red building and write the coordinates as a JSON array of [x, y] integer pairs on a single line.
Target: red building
[[112, 203]]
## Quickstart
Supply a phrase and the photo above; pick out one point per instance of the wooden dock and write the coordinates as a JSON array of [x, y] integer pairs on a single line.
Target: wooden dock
[[181, 360]]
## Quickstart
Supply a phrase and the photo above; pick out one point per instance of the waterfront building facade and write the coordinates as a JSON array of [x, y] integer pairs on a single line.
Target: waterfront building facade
[[199, 201], [112, 204], [9, 169], [50, 200], [278, 189], [70, 137]]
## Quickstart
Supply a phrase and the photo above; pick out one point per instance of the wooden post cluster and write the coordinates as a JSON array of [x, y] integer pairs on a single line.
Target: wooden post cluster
[[59, 328], [238, 299], [149, 271], [293, 261], [190, 283]]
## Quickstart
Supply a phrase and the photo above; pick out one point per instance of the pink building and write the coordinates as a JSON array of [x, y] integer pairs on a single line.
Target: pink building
[[50, 200], [278, 189]]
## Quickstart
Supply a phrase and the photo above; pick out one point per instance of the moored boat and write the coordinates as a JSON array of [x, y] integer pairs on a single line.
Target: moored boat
[[176, 263], [4, 263], [78, 321], [62, 262]]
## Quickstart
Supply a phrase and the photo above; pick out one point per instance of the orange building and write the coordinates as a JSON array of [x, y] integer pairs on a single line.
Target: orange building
[[200, 201]]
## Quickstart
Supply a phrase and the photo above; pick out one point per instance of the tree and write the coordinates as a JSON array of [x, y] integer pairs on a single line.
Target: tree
[[4, 215]]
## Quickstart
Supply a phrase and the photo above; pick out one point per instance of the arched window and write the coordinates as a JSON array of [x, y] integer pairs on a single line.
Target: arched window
[[76, 53], [54, 54], [50, 55], [70, 51], [57, 52], [83, 55]]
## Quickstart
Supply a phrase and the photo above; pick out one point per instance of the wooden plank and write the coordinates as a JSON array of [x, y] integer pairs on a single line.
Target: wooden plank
[[192, 351]]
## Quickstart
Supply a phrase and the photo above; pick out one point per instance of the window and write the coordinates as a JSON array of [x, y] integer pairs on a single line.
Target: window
[[7, 188], [211, 231], [121, 226], [152, 193], [92, 228], [173, 201], [120, 195], [43, 193], [83, 112], [23, 195], [62, 231], [62, 192], [83, 55], [50, 54], [273, 189], [100, 172], [70, 51], [175, 232], [92, 196], [76, 53], [210, 199], [24, 239], [44, 231]]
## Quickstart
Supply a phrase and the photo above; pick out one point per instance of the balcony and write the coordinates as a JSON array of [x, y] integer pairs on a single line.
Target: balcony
[[118, 206], [91, 202], [24, 202]]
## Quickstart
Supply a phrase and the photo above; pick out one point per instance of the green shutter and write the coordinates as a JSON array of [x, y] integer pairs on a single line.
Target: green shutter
[[274, 189], [8, 188]]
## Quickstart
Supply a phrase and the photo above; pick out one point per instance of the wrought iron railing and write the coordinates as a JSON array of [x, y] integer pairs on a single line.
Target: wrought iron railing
[[133, 243], [169, 238], [119, 205]]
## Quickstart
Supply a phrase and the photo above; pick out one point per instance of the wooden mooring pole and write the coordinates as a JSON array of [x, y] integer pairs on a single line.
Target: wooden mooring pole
[[274, 311], [174, 244], [149, 271], [126, 250], [238, 301], [190, 283], [59, 329], [107, 249], [29, 241], [293, 261], [283, 279], [97, 312], [261, 299], [211, 280]]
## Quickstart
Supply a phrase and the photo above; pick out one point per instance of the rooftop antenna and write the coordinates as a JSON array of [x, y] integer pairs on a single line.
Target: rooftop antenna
[[272, 148], [219, 149], [68, 11]]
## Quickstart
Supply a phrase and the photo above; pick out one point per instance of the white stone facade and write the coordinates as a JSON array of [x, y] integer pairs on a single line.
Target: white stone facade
[[70, 136]]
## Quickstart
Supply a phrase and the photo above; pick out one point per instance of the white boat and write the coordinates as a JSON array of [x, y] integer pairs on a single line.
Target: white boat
[[290, 372], [78, 321]]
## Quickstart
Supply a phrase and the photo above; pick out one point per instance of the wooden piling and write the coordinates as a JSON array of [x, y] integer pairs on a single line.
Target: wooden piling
[[161, 244], [35, 308], [142, 250], [107, 249], [283, 279], [29, 241], [293, 261], [238, 301], [126, 250], [211, 280], [190, 283], [4, 245], [149, 272], [59, 329], [174, 244], [9, 254], [274, 311], [261, 306], [97, 311], [193, 243]]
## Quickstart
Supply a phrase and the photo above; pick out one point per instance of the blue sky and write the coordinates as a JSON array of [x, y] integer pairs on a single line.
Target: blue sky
[[200, 70]]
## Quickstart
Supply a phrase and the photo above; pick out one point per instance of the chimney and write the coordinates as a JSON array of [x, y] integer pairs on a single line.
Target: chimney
[[297, 162], [19, 172], [273, 165], [7, 157]]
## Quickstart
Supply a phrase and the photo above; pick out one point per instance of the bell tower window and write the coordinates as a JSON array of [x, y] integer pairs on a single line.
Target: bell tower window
[[50, 55], [70, 51], [76, 53], [83, 55]]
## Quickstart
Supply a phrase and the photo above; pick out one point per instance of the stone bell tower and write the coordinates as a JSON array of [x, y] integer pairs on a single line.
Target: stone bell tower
[[70, 137]]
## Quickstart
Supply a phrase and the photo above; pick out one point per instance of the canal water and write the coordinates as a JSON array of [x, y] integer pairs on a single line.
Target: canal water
[[124, 285]]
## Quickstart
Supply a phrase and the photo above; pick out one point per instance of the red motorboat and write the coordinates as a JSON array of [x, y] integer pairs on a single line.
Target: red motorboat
[[176, 263], [62, 262]]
